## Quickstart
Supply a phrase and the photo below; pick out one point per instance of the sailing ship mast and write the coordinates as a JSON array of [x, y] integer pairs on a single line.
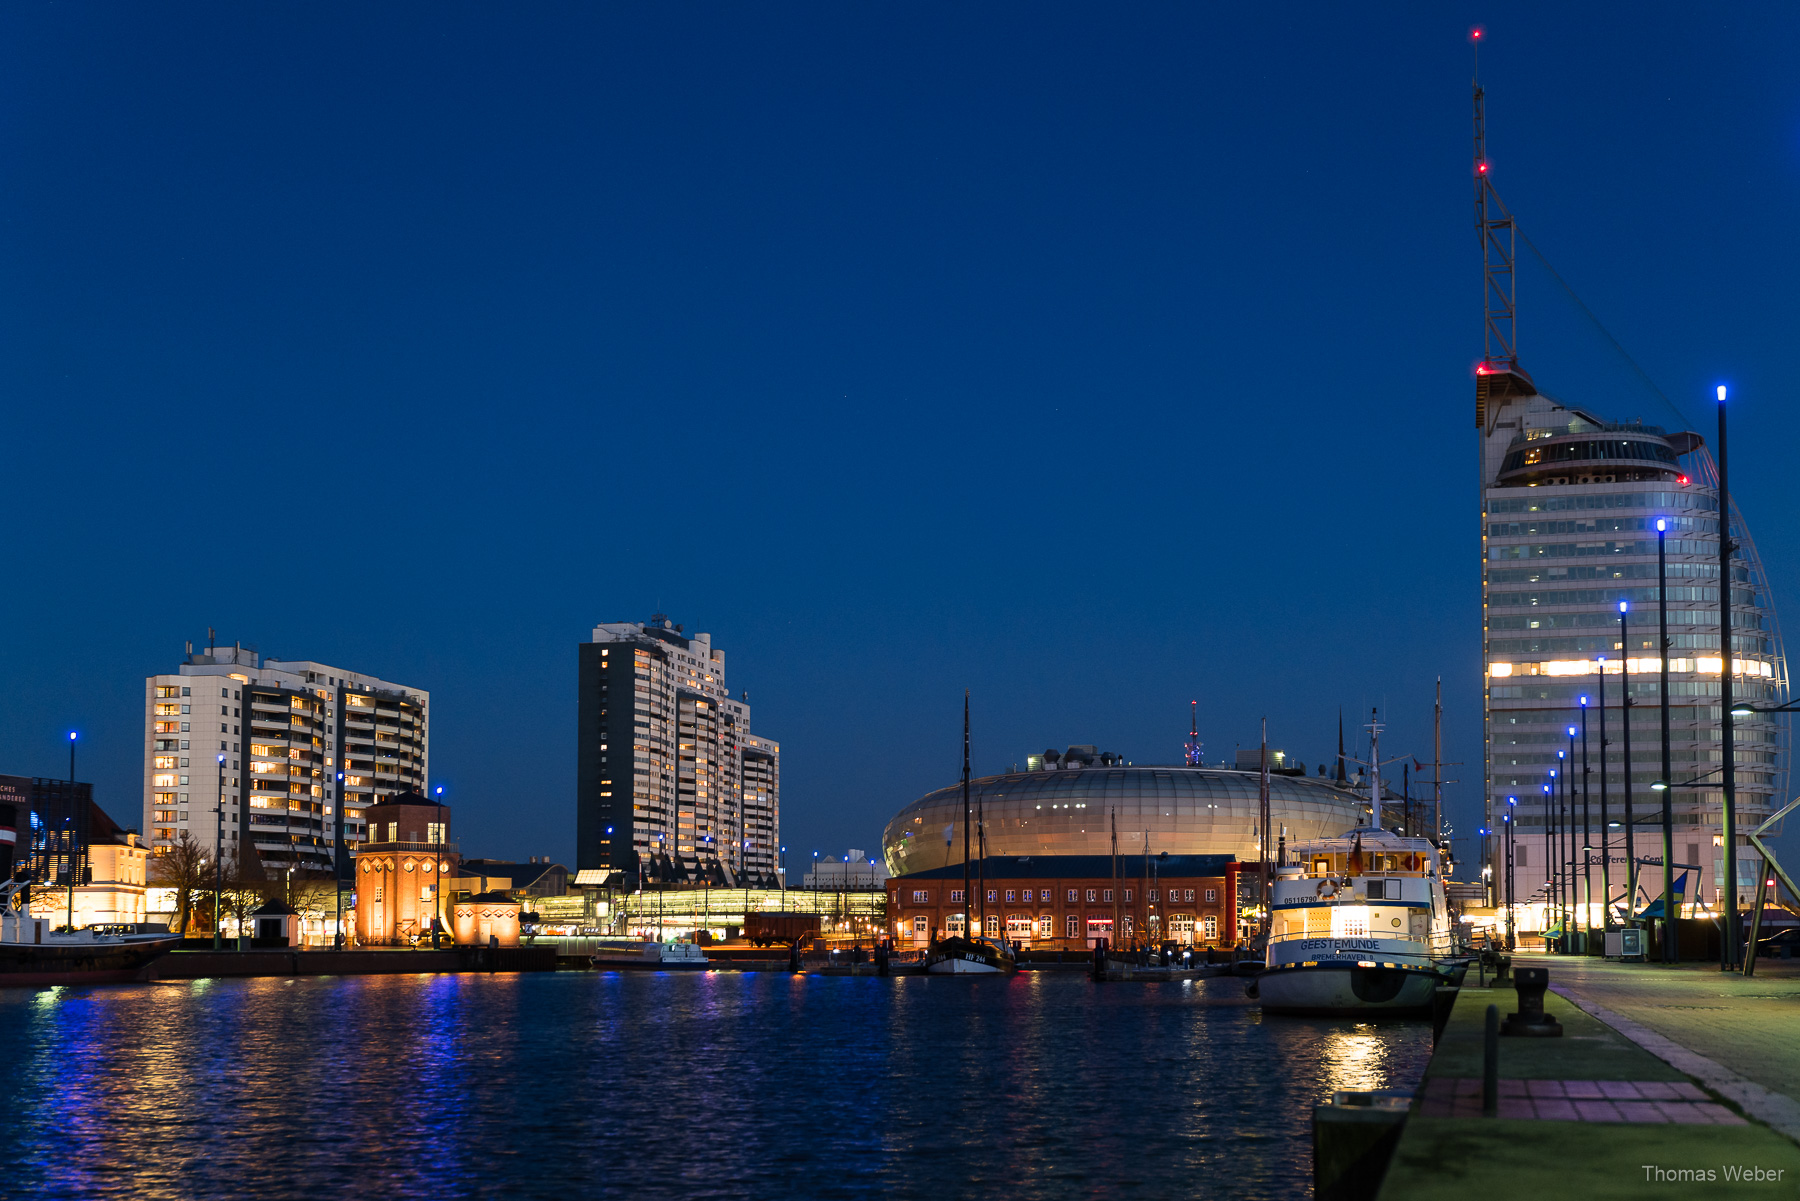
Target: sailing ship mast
[[968, 909]]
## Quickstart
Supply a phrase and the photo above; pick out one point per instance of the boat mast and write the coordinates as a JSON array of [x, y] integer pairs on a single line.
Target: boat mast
[[1264, 893], [1375, 727], [1115, 875], [968, 909], [1437, 763]]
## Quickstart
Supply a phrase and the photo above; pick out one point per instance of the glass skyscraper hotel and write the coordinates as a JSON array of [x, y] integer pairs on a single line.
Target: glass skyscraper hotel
[[1569, 508]]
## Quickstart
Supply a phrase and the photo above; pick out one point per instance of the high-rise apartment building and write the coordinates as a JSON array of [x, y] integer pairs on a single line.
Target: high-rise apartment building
[[295, 750], [1570, 505], [671, 785]]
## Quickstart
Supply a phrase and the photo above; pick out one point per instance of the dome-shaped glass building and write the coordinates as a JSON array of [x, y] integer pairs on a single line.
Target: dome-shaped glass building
[[1181, 810]]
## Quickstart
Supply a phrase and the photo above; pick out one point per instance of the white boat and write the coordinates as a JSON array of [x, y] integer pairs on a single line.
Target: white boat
[[1360, 926], [633, 955]]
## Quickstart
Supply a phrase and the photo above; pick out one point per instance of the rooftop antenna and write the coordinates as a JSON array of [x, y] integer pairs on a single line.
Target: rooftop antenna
[[1193, 742], [1498, 376]]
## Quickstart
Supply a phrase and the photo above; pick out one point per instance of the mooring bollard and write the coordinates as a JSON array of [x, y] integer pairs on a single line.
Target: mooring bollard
[[1531, 1020], [1490, 1063]]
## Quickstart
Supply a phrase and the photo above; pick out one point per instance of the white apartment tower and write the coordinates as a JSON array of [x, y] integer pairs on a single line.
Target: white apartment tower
[[294, 749], [671, 785]]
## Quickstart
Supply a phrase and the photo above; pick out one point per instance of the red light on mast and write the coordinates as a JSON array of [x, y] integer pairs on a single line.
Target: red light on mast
[[1683, 480]]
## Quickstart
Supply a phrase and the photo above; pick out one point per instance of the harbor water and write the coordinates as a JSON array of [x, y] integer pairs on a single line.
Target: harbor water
[[729, 1085]]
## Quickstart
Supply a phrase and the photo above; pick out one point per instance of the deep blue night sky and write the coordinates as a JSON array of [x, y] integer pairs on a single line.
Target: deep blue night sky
[[1093, 361]]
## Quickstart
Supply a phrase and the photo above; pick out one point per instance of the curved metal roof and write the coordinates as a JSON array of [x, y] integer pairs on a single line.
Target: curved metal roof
[[1182, 810]]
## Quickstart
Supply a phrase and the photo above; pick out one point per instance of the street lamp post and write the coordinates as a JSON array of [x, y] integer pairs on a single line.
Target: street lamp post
[[1549, 812], [1605, 818], [219, 859], [437, 887], [1568, 846], [1728, 946], [1512, 915], [71, 831], [1625, 724], [337, 863], [1671, 949], [1587, 841]]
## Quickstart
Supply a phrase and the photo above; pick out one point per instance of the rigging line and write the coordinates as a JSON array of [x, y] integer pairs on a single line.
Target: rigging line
[[1604, 332]]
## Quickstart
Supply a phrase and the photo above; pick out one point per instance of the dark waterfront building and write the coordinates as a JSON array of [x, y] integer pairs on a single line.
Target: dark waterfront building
[[671, 786], [1070, 902]]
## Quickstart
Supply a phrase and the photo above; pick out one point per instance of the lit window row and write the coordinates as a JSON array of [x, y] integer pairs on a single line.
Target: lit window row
[[1704, 664]]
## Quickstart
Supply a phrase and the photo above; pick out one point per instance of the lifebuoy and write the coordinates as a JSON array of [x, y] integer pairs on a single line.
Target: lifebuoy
[[1322, 894]]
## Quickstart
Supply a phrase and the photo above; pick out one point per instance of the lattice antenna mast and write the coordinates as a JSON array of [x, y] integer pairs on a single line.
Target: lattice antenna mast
[[1499, 375], [1194, 746]]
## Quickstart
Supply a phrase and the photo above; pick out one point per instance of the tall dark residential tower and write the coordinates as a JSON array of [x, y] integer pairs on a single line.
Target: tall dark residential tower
[[670, 783]]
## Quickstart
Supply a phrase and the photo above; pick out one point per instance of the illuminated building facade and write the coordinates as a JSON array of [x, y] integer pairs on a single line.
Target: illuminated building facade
[[404, 870], [287, 729], [671, 786], [1570, 505], [1071, 902]]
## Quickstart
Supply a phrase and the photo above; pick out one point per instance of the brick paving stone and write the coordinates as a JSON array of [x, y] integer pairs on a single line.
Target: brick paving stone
[[1555, 1109], [1687, 1090], [1640, 1111], [1619, 1090], [1582, 1090], [1597, 1111], [1684, 1113], [1719, 1114], [1658, 1090], [1546, 1088], [1516, 1107]]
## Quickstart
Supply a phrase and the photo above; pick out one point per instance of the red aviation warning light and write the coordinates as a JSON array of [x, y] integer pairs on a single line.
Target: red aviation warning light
[[1683, 480]]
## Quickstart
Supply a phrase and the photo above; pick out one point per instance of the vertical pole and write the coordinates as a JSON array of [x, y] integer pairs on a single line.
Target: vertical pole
[[73, 833], [1762, 896], [1263, 892], [1625, 722], [968, 818], [1437, 764], [1587, 840], [1671, 939], [1605, 817], [1512, 914], [219, 861], [1728, 946]]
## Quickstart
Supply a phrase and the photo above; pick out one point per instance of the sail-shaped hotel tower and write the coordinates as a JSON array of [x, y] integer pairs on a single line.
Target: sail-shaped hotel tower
[[1571, 495]]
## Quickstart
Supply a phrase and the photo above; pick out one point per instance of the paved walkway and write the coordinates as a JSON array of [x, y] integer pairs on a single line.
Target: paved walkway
[[1694, 1013], [1610, 1109]]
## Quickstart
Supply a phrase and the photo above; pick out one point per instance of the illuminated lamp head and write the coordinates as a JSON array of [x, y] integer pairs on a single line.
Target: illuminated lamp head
[[1583, 705], [1572, 728], [1621, 606], [1661, 524], [1721, 393], [1683, 480]]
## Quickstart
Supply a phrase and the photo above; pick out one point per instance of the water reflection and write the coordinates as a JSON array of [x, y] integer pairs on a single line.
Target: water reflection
[[754, 1085]]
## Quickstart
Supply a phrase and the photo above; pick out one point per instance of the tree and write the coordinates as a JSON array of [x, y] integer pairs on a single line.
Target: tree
[[186, 868], [245, 889]]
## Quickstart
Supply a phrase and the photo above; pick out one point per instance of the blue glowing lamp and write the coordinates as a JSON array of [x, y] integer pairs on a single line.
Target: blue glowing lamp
[[1621, 606], [1661, 525], [1572, 728], [1721, 393], [1583, 705], [71, 736]]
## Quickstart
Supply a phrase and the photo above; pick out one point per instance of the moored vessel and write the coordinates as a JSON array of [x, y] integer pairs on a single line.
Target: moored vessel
[[1360, 926], [34, 954], [641, 956], [957, 956]]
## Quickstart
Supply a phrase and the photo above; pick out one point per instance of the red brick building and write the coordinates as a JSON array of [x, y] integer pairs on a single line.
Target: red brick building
[[1069, 902]]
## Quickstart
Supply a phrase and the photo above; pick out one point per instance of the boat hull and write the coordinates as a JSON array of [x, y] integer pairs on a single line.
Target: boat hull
[[963, 957], [1350, 990], [33, 965]]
